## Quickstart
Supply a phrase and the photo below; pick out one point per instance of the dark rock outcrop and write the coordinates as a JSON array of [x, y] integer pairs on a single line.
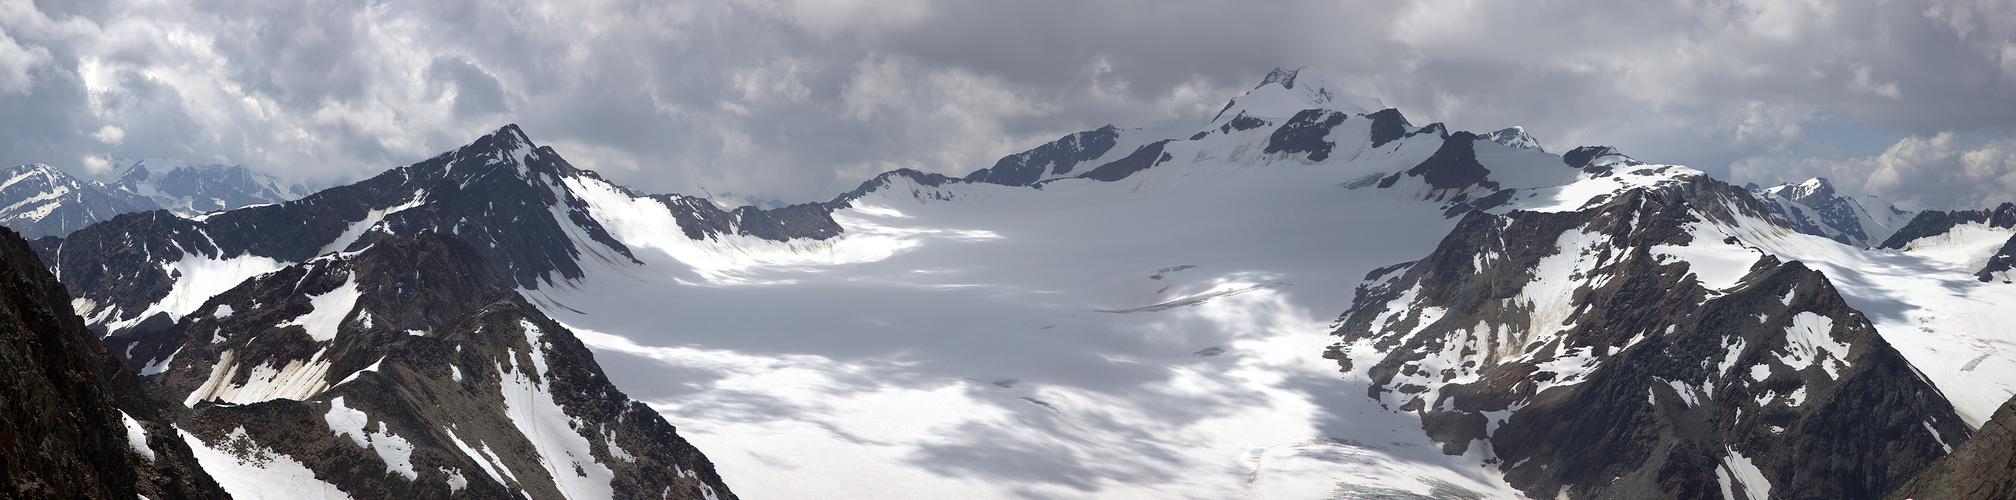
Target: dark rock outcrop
[[883, 180], [1983, 468], [70, 412], [1388, 126], [1454, 166], [1999, 264], [1142, 158], [1305, 133], [1934, 223], [1588, 156], [504, 195], [1604, 369], [1057, 157], [1242, 122], [700, 219], [425, 376]]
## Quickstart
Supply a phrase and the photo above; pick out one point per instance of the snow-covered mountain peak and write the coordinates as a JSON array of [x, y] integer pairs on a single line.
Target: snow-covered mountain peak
[[40, 200], [1816, 207], [1515, 136], [1813, 190], [46, 174], [1283, 93], [1280, 76], [188, 189], [505, 148], [13, 174]]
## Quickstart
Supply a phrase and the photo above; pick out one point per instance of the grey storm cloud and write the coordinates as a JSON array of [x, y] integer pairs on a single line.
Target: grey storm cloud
[[797, 100]]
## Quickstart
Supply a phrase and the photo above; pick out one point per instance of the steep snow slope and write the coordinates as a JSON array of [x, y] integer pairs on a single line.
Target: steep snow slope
[[1150, 337]]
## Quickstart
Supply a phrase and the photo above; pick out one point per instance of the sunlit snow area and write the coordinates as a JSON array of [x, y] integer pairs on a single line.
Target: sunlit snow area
[[1157, 337], [1925, 300]]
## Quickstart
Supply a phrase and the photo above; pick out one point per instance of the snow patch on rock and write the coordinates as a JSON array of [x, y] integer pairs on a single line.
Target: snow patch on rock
[[247, 469]]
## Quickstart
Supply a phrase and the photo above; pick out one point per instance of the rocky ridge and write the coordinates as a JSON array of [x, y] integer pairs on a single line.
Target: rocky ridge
[[409, 369], [40, 200], [1814, 207], [512, 200], [1982, 468], [74, 420], [1595, 354]]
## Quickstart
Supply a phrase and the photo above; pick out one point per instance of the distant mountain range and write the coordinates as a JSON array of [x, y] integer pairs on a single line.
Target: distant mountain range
[[40, 200]]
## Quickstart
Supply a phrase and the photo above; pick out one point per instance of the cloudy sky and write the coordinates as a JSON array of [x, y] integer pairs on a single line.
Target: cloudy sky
[[799, 100]]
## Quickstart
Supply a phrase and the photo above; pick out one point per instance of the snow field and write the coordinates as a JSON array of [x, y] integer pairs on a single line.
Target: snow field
[[951, 343], [250, 471]]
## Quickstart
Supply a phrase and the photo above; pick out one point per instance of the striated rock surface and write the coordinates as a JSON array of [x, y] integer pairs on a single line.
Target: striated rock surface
[[1983, 468], [1638, 348], [407, 369], [74, 421]]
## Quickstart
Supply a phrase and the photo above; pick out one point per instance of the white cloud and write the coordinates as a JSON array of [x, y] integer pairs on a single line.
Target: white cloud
[[1943, 171], [96, 165], [803, 99], [109, 135], [16, 61]]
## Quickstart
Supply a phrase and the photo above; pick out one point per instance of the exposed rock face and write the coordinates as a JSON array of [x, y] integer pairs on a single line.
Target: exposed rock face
[[1586, 157], [1057, 157], [1388, 126], [74, 422], [1813, 207], [1514, 137], [1305, 133], [1241, 122], [1591, 359], [41, 200], [1455, 165], [884, 179], [2000, 264], [512, 200], [1454, 175], [410, 369], [700, 219], [1983, 468], [1140, 159], [501, 193], [1934, 223]]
